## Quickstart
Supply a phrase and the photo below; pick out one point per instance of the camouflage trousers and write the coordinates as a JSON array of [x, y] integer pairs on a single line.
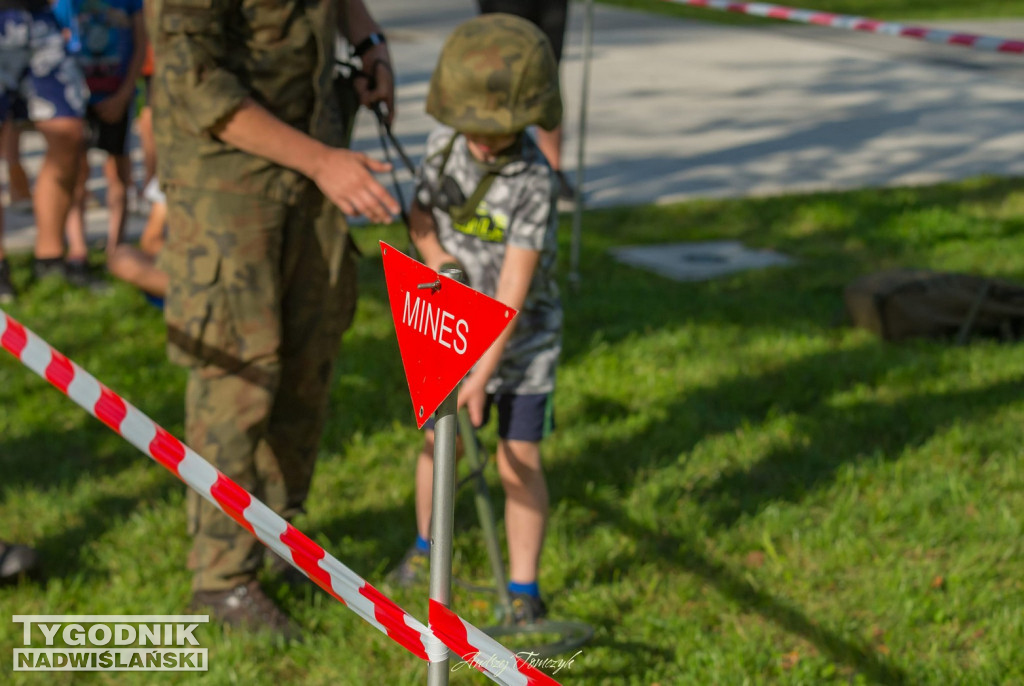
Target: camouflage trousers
[[260, 294]]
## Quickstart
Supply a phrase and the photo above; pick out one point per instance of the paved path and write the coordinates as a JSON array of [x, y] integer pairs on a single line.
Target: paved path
[[685, 109]]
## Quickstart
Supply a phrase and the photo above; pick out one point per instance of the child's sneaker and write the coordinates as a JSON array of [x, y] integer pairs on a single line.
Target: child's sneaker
[[48, 268], [413, 570], [7, 292], [527, 609]]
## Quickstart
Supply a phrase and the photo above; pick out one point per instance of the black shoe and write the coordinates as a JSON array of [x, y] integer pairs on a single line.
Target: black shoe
[[79, 274], [527, 609], [16, 561], [246, 607], [7, 292], [413, 570], [45, 269]]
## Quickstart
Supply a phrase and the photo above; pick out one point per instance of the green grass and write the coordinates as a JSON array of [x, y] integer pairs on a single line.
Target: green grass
[[876, 9], [745, 492]]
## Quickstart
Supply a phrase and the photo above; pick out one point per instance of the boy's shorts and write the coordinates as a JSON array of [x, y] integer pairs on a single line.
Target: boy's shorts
[[520, 417], [110, 138], [35, 67]]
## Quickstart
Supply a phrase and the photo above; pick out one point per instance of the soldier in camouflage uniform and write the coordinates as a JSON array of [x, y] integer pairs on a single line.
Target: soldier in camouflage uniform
[[486, 199], [260, 263]]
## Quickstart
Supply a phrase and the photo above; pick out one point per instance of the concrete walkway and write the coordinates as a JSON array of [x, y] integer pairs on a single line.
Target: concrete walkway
[[685, 109]]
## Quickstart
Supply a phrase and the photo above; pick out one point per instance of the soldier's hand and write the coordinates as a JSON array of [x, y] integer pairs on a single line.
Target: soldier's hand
[[380, 87], [345, 178]]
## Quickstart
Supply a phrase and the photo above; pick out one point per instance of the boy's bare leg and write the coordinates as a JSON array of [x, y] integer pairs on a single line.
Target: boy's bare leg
[[78, 248], [147, 143], [134, 266], [138, 266], [118, 171], [55, 184], [425, 485], [526, 506], [152, 239]]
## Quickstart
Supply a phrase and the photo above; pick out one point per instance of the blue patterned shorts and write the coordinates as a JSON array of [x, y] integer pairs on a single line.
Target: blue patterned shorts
[[36, 70]]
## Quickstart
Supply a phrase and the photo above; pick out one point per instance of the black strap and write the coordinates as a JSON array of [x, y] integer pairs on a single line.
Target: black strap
[[368, 43], [464, 212], [384, 132]]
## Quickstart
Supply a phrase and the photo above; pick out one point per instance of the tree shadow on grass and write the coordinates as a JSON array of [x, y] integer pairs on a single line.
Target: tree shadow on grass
[[48, 458], [692, 555], [887, 429], [69, 457], [62, 555], [836, 437]]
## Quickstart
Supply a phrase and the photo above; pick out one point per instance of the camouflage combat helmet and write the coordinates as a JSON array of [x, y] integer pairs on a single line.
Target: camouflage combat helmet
[[496, 75]]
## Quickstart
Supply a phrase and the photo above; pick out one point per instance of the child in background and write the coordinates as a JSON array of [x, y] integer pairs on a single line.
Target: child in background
[[137, 265], [486, 198], [109, 39], [145, 124]]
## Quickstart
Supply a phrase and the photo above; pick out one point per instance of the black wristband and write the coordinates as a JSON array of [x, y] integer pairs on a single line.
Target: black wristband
[[368, 43]]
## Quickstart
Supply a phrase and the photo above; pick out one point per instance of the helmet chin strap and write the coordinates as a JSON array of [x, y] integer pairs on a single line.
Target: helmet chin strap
[[462, 213]]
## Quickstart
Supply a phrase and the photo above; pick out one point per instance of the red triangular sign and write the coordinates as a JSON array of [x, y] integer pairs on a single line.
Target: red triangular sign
[[442, 330]]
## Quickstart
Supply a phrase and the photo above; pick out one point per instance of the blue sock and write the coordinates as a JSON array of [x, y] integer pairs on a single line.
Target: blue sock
[[422, 544], [532, 588]]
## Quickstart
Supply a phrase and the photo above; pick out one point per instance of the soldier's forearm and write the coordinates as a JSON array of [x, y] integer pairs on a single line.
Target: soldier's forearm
[[358, 24], [255, 130]]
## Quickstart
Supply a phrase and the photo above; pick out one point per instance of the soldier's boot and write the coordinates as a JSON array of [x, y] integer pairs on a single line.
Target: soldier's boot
[[297, 580], [246, 607]]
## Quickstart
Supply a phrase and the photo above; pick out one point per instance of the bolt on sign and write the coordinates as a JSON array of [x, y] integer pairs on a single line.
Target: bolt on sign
[[443, 328]]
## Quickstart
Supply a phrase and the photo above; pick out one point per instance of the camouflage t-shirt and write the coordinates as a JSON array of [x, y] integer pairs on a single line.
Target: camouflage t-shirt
[[520, 209]]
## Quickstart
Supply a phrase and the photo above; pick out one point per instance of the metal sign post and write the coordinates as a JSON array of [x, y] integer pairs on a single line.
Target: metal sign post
[[442, 518], [443, 328]]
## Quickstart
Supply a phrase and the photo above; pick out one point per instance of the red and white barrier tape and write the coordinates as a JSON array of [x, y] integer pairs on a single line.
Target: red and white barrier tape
[[852, 23], [450, 631]]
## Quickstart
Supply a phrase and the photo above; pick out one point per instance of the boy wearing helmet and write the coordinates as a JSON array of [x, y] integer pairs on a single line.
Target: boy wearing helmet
[[486, 199]]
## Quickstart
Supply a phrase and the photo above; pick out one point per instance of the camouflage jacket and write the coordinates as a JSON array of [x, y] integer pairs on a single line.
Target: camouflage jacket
[[520, 209], [212, 54]]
